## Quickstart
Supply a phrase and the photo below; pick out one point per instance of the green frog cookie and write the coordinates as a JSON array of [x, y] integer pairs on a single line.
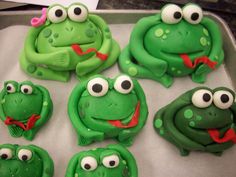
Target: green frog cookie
[[201, 119], [24, 108], [173, 43], [102, 108], [114, 160], [68, 39]]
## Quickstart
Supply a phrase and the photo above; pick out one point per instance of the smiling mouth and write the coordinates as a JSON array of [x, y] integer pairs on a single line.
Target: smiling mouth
[[179, 53], [129, 122]]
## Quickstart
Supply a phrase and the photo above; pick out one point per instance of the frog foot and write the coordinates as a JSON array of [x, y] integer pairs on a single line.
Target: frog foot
[[127, 142], [82, 141], [29, 135], [199, 78], [62, 60], [15, 131], [184, 152]]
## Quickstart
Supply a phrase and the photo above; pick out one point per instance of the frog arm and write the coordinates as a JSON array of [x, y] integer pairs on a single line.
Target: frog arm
[[105, 49], [47, 107], [71, 169], [48, 166], [127, 133], [59, 58], [156, 65], [216, 53], [129, 158], [168, 122], [73, 113], [2, 114]]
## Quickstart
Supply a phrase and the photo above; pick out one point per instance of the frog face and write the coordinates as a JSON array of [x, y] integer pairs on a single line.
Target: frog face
[[24, 161], [17, 99], [110, 103], [68, 26], [114, 160], [179, 31], [209, 110]]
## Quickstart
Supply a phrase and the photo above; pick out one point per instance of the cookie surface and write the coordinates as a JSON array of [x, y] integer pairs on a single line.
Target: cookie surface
[[201, 119], [68, 39], [173, 43], [25, 161], [101, 108], [25, 108], [114, 160]]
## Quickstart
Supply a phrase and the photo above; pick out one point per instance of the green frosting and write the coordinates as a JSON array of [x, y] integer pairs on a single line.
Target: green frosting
[[187, 121], [102, 108], [48, 48], [21, 104], [114, 160], [156, 47], [25, 161]]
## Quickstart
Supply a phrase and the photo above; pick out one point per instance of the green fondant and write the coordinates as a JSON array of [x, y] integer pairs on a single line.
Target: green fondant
[[121, 169], [159, 32], [158, 123], [127, 62], [21, 107], [188, 114], [155, 47], [133, 71], [39, 165], [31, 68], [48, 48], [98, 111], [187, 125]]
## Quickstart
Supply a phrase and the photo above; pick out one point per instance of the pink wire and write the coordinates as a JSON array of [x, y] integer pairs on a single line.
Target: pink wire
[[36, 22]]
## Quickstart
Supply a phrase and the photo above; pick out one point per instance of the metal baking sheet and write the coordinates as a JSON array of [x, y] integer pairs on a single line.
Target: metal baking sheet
[[155, 156]]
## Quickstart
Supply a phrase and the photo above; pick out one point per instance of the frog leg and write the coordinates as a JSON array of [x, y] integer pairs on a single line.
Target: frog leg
[[137, 48], [48, 166], [56, 59], [126, 135], [216, 53], [93, 63], [114, 53], [41, 72], [128, 66], [82, 131]]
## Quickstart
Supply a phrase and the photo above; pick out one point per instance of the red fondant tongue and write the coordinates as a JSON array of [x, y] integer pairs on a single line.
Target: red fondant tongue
[[229, 135], [29, 125], [204, 59], [132, 123], [77, 49]]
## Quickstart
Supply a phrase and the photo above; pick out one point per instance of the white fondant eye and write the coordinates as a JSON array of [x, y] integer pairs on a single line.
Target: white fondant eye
[[24, 154], [171, 14], [192, 14], [123, 84], [57, 14], [89, 163], [223, 99], [26, 89], [10, 88], [202, 98], [5, 153], [97, 87], [77, 13], [111, 161]]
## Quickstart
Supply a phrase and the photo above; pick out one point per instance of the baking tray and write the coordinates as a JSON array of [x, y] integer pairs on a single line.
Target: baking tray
[[155, 156]]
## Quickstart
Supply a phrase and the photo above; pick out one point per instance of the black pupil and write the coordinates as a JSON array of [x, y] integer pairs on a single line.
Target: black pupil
[[126, 84], [77, 11], [87, 166], [4, 156], [97, 88], [224, 98], [177, 15], [194, 16], [26, 90], [8, 87], [24, 157], [112, 163], [206, 97], [58, 13]]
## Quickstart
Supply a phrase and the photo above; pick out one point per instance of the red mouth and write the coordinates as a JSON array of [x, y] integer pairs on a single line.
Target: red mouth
[[229, 135], [77, 49], [204, 59], [132, 123], [29, 125]]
